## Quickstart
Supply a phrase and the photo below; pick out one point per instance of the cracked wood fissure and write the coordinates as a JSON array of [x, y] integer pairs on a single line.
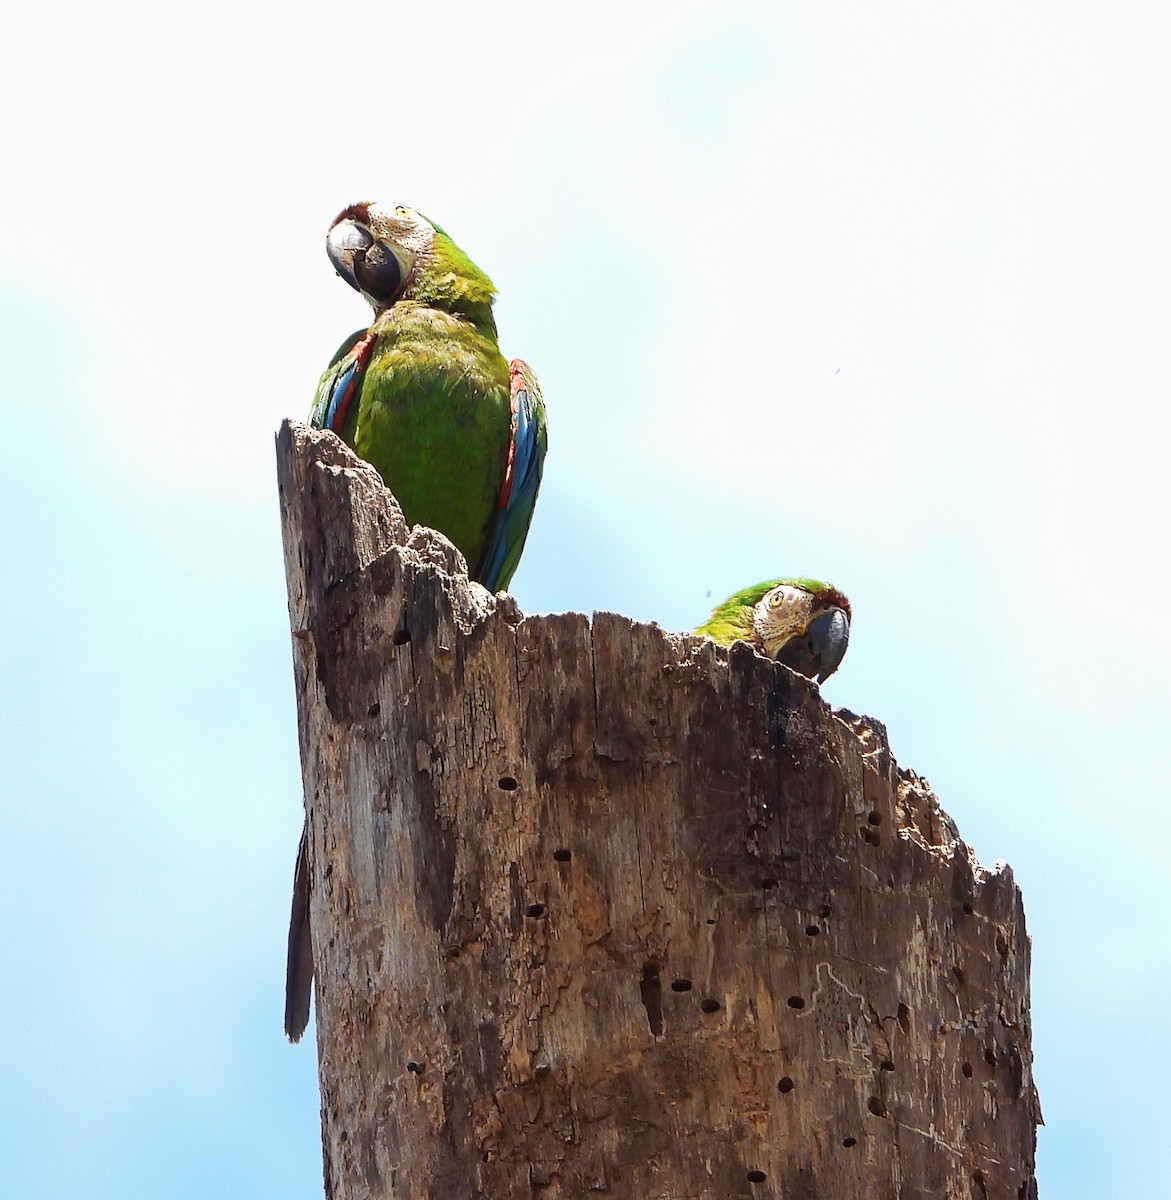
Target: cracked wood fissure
[[599, 909]]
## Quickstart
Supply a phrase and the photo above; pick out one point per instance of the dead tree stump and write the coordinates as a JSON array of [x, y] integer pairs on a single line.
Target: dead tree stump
[[602, 909]]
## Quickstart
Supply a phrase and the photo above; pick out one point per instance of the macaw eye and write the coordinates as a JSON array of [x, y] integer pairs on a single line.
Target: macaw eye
[[776, 599], [401, 211]]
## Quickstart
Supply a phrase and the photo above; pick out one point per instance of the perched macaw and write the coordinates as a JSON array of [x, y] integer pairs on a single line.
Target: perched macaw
[[456, 431], [802, 623]]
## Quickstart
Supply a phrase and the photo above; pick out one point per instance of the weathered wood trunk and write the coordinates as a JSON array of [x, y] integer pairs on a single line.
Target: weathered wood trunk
[[602, 909]]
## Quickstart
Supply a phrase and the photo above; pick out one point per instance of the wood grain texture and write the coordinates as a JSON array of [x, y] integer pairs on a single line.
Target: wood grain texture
[[600, 909]]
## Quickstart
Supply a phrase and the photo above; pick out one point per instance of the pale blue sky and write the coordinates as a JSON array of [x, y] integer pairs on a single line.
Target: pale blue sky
[[869, 291]]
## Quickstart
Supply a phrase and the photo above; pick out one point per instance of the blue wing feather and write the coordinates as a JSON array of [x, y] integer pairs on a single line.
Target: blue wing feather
[[510, 524], [332, 401]]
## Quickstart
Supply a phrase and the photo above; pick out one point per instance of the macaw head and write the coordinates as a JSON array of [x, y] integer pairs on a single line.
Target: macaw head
[[804, 624], [391, 253]]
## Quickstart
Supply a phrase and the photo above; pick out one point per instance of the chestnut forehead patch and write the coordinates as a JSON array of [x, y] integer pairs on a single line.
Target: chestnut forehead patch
[[356, 212], [830, 597]]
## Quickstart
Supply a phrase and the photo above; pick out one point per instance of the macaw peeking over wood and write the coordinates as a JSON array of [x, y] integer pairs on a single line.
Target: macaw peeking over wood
[[455, 430], [802, 623]]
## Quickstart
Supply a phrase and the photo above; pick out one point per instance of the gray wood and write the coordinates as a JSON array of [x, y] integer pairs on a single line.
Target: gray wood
[[600, 908]]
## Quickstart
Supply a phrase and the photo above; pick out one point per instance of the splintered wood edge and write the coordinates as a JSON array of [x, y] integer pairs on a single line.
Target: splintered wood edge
[[379, 528], [347, 549]]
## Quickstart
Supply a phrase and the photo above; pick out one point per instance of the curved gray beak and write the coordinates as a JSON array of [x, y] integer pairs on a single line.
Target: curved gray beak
[[364, 262], [344, 242], [829, 635]]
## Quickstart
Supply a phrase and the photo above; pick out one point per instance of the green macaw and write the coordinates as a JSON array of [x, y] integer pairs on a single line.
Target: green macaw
[[456, 431], [802, 623]]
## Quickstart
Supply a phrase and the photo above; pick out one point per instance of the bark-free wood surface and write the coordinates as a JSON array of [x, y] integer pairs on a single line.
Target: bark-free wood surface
[[599, 909]]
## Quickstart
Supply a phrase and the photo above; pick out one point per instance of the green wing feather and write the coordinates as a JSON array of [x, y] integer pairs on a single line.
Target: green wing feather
[[433, 416]]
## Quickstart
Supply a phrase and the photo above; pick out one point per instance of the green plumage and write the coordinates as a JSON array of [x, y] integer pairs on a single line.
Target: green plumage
[[425, 394], [433, 416], [732, 621]]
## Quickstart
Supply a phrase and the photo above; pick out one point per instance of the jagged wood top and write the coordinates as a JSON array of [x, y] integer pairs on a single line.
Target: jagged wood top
[[570, 835]]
